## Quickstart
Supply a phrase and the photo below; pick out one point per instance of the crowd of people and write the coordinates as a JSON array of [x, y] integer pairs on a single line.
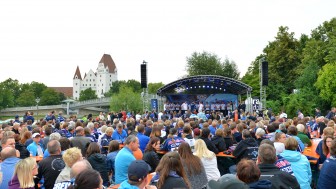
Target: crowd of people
[[159, 151]]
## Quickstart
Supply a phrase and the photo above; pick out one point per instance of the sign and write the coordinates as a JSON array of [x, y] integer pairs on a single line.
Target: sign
[[154, 105]]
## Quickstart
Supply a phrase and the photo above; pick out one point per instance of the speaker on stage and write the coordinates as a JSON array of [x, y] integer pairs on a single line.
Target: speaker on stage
[[264, 73], [143, 69]]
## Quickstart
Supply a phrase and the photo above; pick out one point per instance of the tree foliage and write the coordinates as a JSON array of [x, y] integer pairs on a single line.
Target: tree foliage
[[326, 83], [26, 98], [153, 87], [126, 99], [49, 97], [87, 94], [206, 63]]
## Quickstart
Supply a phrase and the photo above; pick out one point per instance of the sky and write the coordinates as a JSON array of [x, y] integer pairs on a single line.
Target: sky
[[45, 40]]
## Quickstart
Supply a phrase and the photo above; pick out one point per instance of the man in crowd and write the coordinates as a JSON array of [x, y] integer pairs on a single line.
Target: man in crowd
[[143, 139], [125, 157], [266, 160], [50, 167], [120, 134], [7, 167], [80, 141]]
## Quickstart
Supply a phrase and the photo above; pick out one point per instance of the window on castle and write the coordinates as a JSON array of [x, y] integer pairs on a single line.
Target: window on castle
[[94, 85], [110, 75], [90, 79], [93, 80], [76, 91], [90, 85], [100, 75], [102, 84], [90, 75], [83, 85], [86, 79], [76, 83]]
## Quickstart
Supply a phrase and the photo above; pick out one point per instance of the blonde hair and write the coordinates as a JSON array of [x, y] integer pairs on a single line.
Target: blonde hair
[[71, 156], [202, 151], [23, 170]]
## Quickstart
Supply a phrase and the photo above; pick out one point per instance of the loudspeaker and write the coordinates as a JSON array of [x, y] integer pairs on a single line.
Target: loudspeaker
[[143, 69], [264, 73]]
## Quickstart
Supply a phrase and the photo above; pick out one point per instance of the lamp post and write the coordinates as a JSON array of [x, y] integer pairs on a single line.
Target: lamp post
[[37, 100]]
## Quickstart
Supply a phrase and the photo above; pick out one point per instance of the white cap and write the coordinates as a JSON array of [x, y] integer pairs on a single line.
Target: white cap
[[36, 134]]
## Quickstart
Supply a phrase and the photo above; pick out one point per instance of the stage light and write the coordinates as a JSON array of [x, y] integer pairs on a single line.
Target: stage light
[[216, 87], [208, 86], [190, 87], [211, 87], [199, 86], [220, 88], [187, 88], [203, 86]]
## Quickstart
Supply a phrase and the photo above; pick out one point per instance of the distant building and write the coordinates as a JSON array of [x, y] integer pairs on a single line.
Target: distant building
[[99, 81]]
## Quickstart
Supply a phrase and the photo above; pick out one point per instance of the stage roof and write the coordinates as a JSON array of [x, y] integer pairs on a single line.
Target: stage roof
[[204, 84]]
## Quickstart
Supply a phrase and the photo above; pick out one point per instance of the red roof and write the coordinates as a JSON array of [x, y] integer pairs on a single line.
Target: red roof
[[67, 91], [78, 74], [108, 62]]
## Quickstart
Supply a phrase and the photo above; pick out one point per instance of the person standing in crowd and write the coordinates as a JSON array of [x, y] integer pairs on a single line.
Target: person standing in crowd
[[50, 167], [299, 162], [7, 166], [327, 178], [80, 141], [208, 159], [25, 170], [125, 157], [171, 173], [266, 163], [143, 139], [35, 149], [193, 167]]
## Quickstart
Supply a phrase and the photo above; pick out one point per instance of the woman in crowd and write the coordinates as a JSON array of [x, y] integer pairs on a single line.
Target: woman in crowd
[[193, 167], [279, 142], [259, 135], [24, 153], [82, 181], [70, 157], [24, 173], [228, 138], [249, 173], [299, 162], [113, 150], [171, 172], [218, 140], [327, 145], [188, 137], [150, 156], [208, 159], [156, 132], [98, 161]]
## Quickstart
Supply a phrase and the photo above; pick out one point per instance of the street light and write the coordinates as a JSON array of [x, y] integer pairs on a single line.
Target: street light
[[37, 100]]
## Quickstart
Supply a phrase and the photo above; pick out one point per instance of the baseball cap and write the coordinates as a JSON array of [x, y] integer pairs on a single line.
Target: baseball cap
[[227, 181], [36, 135], [138, 170]]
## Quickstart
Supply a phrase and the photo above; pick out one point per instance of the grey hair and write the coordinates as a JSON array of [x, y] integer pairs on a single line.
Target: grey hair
[[130, 138], [54, 136]]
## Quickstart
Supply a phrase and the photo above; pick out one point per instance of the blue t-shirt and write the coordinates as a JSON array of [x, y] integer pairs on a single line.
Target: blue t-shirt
[[327, 178], [123, 159]]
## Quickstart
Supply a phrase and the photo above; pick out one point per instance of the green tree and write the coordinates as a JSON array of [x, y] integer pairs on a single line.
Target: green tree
[[153, 87], [134, 85], [326, 83], [26, 98], [12, 88], [38, 88], [49, 97], [283, 58], [115, 88], [204, 64], [6, 97], [87, 94], [126, 99], [230, 69]]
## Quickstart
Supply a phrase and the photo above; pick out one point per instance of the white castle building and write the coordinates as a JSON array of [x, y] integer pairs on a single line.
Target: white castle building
[[99, 81]]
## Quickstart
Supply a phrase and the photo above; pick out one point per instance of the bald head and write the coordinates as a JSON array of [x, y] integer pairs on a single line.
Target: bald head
[[79, 130], [78, 167], [8, 152]]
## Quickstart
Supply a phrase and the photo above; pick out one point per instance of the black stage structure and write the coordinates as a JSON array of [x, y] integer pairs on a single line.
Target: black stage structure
[[220, 86]]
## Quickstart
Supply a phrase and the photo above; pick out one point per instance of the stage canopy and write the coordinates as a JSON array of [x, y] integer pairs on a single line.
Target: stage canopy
[[205, 84]]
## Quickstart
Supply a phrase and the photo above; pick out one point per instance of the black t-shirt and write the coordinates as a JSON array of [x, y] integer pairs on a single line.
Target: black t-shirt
[[49, 169]]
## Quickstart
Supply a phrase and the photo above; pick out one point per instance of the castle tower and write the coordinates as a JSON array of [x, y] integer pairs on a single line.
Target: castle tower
[[106, 75], [77, 81]]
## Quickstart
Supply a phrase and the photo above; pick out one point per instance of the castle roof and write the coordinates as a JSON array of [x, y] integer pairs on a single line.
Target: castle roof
[[108, 62], [78, 74], [67, 91]]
